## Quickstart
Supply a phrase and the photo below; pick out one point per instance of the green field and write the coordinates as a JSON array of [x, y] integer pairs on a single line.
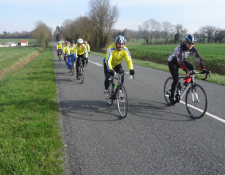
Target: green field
[[16, 41], [30, 141]]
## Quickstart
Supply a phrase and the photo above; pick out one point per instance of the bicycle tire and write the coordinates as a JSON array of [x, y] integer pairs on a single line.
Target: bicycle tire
[[122, 101], [111, 94], [72, 66], [167, 90], [82, 78], [196, 101]]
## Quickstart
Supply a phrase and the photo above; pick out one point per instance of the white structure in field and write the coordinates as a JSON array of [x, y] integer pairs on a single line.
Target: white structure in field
[[24, 43]]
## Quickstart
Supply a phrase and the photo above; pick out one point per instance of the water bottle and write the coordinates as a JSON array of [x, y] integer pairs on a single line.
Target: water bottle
[[115, 87]]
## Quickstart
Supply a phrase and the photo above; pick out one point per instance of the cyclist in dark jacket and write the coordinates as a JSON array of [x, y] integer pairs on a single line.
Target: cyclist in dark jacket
[[177, 59]]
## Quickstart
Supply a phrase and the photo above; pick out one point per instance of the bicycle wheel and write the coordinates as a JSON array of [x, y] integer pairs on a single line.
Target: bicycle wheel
[[72, 66], [196, 101], [122, 101], [111, 94], [81, 78], [167, 89]]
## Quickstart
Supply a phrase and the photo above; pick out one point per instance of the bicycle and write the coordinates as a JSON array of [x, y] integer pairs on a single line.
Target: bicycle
[[80, 71], [118, 92], [66, 58], [72, 67], [60, 55], [195, 100]]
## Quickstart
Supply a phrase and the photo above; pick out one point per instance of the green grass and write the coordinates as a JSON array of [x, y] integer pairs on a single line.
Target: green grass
[[11, 55], [29, 130], [16, 41], [215, 78]]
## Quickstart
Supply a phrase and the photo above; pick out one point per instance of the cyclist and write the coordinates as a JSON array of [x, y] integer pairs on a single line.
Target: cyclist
[[66, 50], [112, 61], [59, 47], [177, 59], [72, 49], [88, 48], [81, 53]]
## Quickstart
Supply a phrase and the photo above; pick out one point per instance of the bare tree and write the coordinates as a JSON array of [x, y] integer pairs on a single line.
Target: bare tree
[[43, 33], [182, 31], [102, 16], [167, 28]]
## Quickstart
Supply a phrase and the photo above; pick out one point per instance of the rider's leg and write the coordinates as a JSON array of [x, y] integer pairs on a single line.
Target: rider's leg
[[118, 68], [190, 66], [173, 67], [107, 76], [69, 62]]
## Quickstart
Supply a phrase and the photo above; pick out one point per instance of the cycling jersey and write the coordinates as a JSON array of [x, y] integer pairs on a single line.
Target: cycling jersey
[[59, 46], [72, 49], [66, 50], [181, 53], [80, 50], [88, 47], [113, 57]]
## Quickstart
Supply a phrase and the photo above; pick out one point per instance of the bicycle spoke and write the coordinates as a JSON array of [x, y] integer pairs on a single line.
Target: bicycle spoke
[[122, 101], [167, 89], [196, 101]]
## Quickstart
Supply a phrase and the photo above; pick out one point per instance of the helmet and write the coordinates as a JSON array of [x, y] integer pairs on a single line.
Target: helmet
[[72, 42], [120, 39], [191, 38], [80, 41], [85, 42], [59, 42], [66, 42]]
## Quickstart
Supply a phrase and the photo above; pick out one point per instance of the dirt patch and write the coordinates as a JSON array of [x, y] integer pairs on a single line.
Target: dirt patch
[[20, 63]]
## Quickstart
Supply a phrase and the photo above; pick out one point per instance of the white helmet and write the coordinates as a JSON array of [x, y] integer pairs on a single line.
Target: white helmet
[[59, 42], [80, 41]]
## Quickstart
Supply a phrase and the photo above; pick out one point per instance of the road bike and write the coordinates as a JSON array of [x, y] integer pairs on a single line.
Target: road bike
[[60, 55], [80, 71], [118, 92], [66, 58], [195, 97], [72, 67]]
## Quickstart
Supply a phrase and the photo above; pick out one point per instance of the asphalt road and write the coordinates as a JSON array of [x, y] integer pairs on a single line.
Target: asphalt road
[[152, 139]]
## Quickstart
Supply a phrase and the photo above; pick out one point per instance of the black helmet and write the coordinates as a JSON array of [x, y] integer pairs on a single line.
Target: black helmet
[[72, 42], [191, 38], [121, 39]]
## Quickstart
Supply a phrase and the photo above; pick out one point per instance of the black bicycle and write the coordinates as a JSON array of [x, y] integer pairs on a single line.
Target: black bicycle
[[60, 55], [195, 99], [72, 67], [80, 71], [66, 58], [118, 92]]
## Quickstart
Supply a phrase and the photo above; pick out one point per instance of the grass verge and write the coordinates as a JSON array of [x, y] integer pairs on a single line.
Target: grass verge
[[29, 138], [214, 78]]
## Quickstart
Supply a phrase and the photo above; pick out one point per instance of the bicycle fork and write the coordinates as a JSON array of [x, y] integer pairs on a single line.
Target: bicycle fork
[[194, 95]]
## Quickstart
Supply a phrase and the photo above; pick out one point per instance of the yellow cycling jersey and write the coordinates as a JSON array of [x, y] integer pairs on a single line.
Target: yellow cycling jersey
[[88, 47], [113, 57], [72, 49], [80, 50], [59, 46], [66, 50]]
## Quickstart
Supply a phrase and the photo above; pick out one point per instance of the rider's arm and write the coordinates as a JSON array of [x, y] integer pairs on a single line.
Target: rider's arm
[[108, 59], [180, 59], [198, 59], [85, 51], [128, 59]]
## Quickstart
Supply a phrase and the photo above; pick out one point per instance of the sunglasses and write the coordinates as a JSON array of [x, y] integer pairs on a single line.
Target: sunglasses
[[191, 43]]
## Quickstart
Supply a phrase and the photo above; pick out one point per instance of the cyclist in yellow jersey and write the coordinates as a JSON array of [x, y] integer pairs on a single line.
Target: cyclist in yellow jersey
[[81, 53], [88, 47], [59, 47], [72, 49], [112, 61], [66, 50]]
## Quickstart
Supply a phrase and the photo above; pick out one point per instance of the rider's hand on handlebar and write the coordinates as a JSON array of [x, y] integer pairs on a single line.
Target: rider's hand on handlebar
[[206, 72], [132, 72], [187, 73], [112, 72]]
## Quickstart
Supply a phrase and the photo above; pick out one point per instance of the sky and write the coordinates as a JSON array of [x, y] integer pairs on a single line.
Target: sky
[[22, 15]]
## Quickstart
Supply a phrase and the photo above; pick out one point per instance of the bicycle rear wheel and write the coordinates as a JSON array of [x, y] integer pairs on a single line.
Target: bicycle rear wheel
[[82, 78], [122, 101], [111, 95], [167, 90], [196, 101]]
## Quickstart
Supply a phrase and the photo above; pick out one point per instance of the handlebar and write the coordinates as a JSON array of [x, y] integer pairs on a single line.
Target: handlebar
[[206, 72]]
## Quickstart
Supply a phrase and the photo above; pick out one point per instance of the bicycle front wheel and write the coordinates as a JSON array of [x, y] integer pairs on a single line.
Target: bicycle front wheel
[[167, 90], [111, 94], [82, 78], [122, 101], [196, 101]]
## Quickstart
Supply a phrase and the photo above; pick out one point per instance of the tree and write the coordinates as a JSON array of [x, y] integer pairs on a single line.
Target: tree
[[177, 36], [102, 17], [210, 30], [167, 29], [43, 33]]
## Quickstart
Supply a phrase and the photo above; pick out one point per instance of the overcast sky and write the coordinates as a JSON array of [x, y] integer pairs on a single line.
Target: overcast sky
[[21, 15]]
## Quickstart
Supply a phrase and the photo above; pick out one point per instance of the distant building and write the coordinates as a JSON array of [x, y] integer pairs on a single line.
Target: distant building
[[24, 43]]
